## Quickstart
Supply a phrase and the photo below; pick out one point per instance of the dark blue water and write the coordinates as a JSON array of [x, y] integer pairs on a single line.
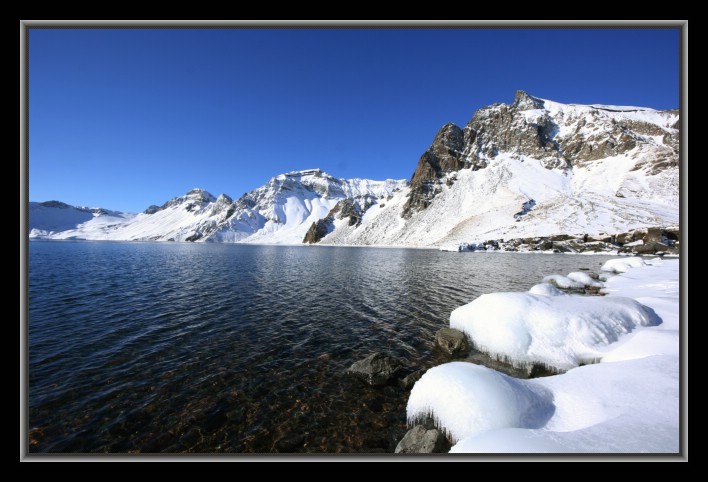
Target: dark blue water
[[150, 347]]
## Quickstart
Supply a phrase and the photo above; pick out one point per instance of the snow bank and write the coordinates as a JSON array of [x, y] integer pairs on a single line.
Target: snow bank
[[545, 289], [476, 399], [562, 281], [622, 265], [560, 332], [628, 402], [624, 407]]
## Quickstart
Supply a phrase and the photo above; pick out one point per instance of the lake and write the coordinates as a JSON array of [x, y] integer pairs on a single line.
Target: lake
[[162, 347]]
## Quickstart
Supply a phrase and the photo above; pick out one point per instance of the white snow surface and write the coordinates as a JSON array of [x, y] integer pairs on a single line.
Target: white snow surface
[[622, 265], [61, 221], [561, 332], [562, 281], [611, 195], [545, 289], [585, 279], [628, 402]]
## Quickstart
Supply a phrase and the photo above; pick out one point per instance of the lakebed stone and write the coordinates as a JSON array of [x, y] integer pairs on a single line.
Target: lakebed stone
[[451, 341], [376, 369]]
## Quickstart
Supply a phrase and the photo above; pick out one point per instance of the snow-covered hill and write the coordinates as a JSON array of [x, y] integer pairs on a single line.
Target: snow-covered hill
[[530, 168], [54, 219]]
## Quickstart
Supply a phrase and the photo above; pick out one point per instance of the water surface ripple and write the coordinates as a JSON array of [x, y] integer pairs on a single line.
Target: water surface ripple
[[147, 347]]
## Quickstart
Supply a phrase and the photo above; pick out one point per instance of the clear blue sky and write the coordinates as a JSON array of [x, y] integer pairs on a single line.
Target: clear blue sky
[[123, 119]]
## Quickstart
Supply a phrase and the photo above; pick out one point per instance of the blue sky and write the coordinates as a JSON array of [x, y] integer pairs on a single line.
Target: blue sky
[[123, 119]]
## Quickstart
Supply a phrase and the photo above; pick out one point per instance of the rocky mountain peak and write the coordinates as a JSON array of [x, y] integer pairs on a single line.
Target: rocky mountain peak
[[560, 136], [524, 101], [193, 201]]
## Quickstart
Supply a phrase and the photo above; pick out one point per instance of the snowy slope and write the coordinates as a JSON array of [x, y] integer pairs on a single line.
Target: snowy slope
[[54, 219], [531, 168]]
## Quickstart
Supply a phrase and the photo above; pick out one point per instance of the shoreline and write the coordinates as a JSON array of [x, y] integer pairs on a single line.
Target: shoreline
[[575, 414], [374, 246]]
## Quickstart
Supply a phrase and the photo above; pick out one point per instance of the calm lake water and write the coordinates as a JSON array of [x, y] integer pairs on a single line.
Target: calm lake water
[[149, 347]]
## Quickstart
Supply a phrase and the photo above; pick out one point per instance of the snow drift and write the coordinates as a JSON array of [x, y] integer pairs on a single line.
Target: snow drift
[[560, 332], [628, 402]]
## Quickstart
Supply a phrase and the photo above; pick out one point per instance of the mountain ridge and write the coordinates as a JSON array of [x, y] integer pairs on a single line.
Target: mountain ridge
[[531, 168]]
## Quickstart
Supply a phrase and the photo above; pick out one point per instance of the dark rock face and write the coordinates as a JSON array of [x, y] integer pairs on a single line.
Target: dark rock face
[[451, 341], [352, 209], [318, 230], [376, 369], [443, 156], [527, 128], [419, 440]]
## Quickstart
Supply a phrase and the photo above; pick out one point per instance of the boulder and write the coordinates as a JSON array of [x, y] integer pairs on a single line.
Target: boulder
[[376, 369], [650, 248], [623, 238], [409, 380], [545, 245], [648, 235], [672, 233], [453, 342], [419, 440]]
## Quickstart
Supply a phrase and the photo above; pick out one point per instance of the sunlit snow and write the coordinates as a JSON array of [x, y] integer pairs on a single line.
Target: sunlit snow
[[626, 402]]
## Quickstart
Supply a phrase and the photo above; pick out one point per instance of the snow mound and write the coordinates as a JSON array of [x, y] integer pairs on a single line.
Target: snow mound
[[562, 281], [545, 289], [622, 265], [560, 332], [585, 279], [465, 399], [627, 403]]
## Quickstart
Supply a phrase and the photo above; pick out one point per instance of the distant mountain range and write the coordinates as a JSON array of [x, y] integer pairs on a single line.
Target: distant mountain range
[[530, 168]]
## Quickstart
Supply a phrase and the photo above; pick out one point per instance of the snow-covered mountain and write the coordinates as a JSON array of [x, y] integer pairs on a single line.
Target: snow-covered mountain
[[530, 168], [281, 211]]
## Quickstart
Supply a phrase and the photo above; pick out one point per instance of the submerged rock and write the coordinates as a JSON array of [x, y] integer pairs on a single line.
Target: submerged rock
[[451, 341], [376, 369], [409, 380], [420, 440]]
